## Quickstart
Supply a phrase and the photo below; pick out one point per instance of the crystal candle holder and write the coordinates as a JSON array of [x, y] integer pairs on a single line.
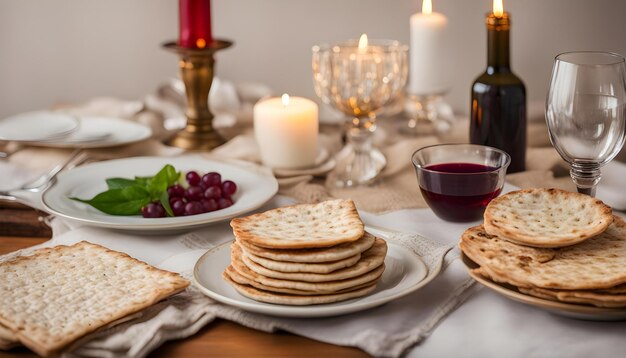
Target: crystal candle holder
[[427, 114], [359, 80]]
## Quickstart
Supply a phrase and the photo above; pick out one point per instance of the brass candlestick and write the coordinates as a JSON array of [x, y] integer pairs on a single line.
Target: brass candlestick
[[197, 67]]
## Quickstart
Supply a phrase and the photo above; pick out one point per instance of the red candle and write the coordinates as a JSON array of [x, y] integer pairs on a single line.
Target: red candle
[[195, 23]]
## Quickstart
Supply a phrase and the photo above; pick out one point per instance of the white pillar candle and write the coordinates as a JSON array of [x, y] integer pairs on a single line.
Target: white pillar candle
[[286, 129], [428, 52]]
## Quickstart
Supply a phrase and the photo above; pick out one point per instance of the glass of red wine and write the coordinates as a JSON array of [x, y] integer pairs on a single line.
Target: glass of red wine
[[457, 181]]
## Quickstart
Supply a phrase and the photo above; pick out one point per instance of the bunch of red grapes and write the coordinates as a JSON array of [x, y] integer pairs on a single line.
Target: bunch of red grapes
[[205, 193]]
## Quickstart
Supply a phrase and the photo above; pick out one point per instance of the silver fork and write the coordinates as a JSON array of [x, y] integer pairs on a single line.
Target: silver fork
[[43, 182]]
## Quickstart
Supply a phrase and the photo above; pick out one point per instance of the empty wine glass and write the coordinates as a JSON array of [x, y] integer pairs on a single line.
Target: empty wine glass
[[585, 112], [359, 78]]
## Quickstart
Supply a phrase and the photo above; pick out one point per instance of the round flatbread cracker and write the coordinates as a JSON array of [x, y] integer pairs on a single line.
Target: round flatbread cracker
[[612, 297], [324, 224], [589, 297], [370, 259], [320, 268], [597, 263], [333, 253], [328, 286], [296, 300], [240, 279], [546, 217]]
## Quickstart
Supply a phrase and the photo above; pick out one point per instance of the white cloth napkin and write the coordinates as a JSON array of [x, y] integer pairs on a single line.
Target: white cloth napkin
[[388, 330]]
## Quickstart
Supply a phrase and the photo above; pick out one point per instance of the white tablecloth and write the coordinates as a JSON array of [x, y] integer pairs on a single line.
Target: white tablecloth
[[486, 325]]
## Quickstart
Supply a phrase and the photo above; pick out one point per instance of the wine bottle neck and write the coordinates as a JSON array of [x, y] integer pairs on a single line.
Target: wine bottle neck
[[498, 42], [498, 50]]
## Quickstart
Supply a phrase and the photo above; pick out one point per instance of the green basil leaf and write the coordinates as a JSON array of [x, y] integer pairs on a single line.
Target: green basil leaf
[[156, 187], [120, 183], [165, 201], [172, 174], [125, 201], [143, 181], [164, 178]]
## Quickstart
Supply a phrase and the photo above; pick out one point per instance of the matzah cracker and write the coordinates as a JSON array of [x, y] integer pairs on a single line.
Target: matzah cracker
[[621, 289], [325, 287], [372, 258], [333, 253], [301, 226], [8, 339], [594, 298], [8, 344], [285, 266], [597, 263], [241, 279], [546, 217], [610, 298], [59, 294], [296, 300], [6, 334]]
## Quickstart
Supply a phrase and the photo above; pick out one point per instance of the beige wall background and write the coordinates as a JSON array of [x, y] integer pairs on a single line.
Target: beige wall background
[[71, 50]]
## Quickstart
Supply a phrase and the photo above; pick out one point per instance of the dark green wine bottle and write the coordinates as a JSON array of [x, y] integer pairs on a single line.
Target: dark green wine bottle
[[498, 107]]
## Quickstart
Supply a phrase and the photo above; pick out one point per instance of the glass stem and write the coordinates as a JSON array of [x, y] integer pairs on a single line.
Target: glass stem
[[586, 176], [360, 133], [359, 136]]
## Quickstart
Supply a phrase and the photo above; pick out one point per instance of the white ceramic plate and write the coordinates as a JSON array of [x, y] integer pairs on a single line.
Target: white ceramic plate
[[255, 185], [585, 312], [36, 126], [404, 273], [323, 164], [100, 132]]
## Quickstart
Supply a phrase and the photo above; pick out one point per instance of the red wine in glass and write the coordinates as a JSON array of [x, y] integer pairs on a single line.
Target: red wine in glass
[[459, 191]]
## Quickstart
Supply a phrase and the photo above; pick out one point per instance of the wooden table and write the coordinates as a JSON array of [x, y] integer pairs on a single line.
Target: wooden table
[[220, 338]]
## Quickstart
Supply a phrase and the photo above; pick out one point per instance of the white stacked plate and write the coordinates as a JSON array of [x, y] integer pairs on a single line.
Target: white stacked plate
[[60, 130], [37, 126], [100, 132]]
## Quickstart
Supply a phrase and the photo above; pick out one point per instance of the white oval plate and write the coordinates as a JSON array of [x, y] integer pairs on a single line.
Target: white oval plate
[[404, 273], [100, 132], [255, 187], [36, 126]]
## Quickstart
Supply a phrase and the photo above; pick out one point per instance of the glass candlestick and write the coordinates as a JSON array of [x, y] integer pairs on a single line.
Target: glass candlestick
[[359, 78], [427, 114]]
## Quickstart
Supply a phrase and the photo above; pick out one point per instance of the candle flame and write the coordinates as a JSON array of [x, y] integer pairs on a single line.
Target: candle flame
[[363, 43], [498, 8], [200, 43], [285, 99], [427, 7]]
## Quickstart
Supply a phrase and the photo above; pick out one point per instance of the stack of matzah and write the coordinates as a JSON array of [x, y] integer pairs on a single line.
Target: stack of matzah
[[57, 295], [305, 254], [552, 244]]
